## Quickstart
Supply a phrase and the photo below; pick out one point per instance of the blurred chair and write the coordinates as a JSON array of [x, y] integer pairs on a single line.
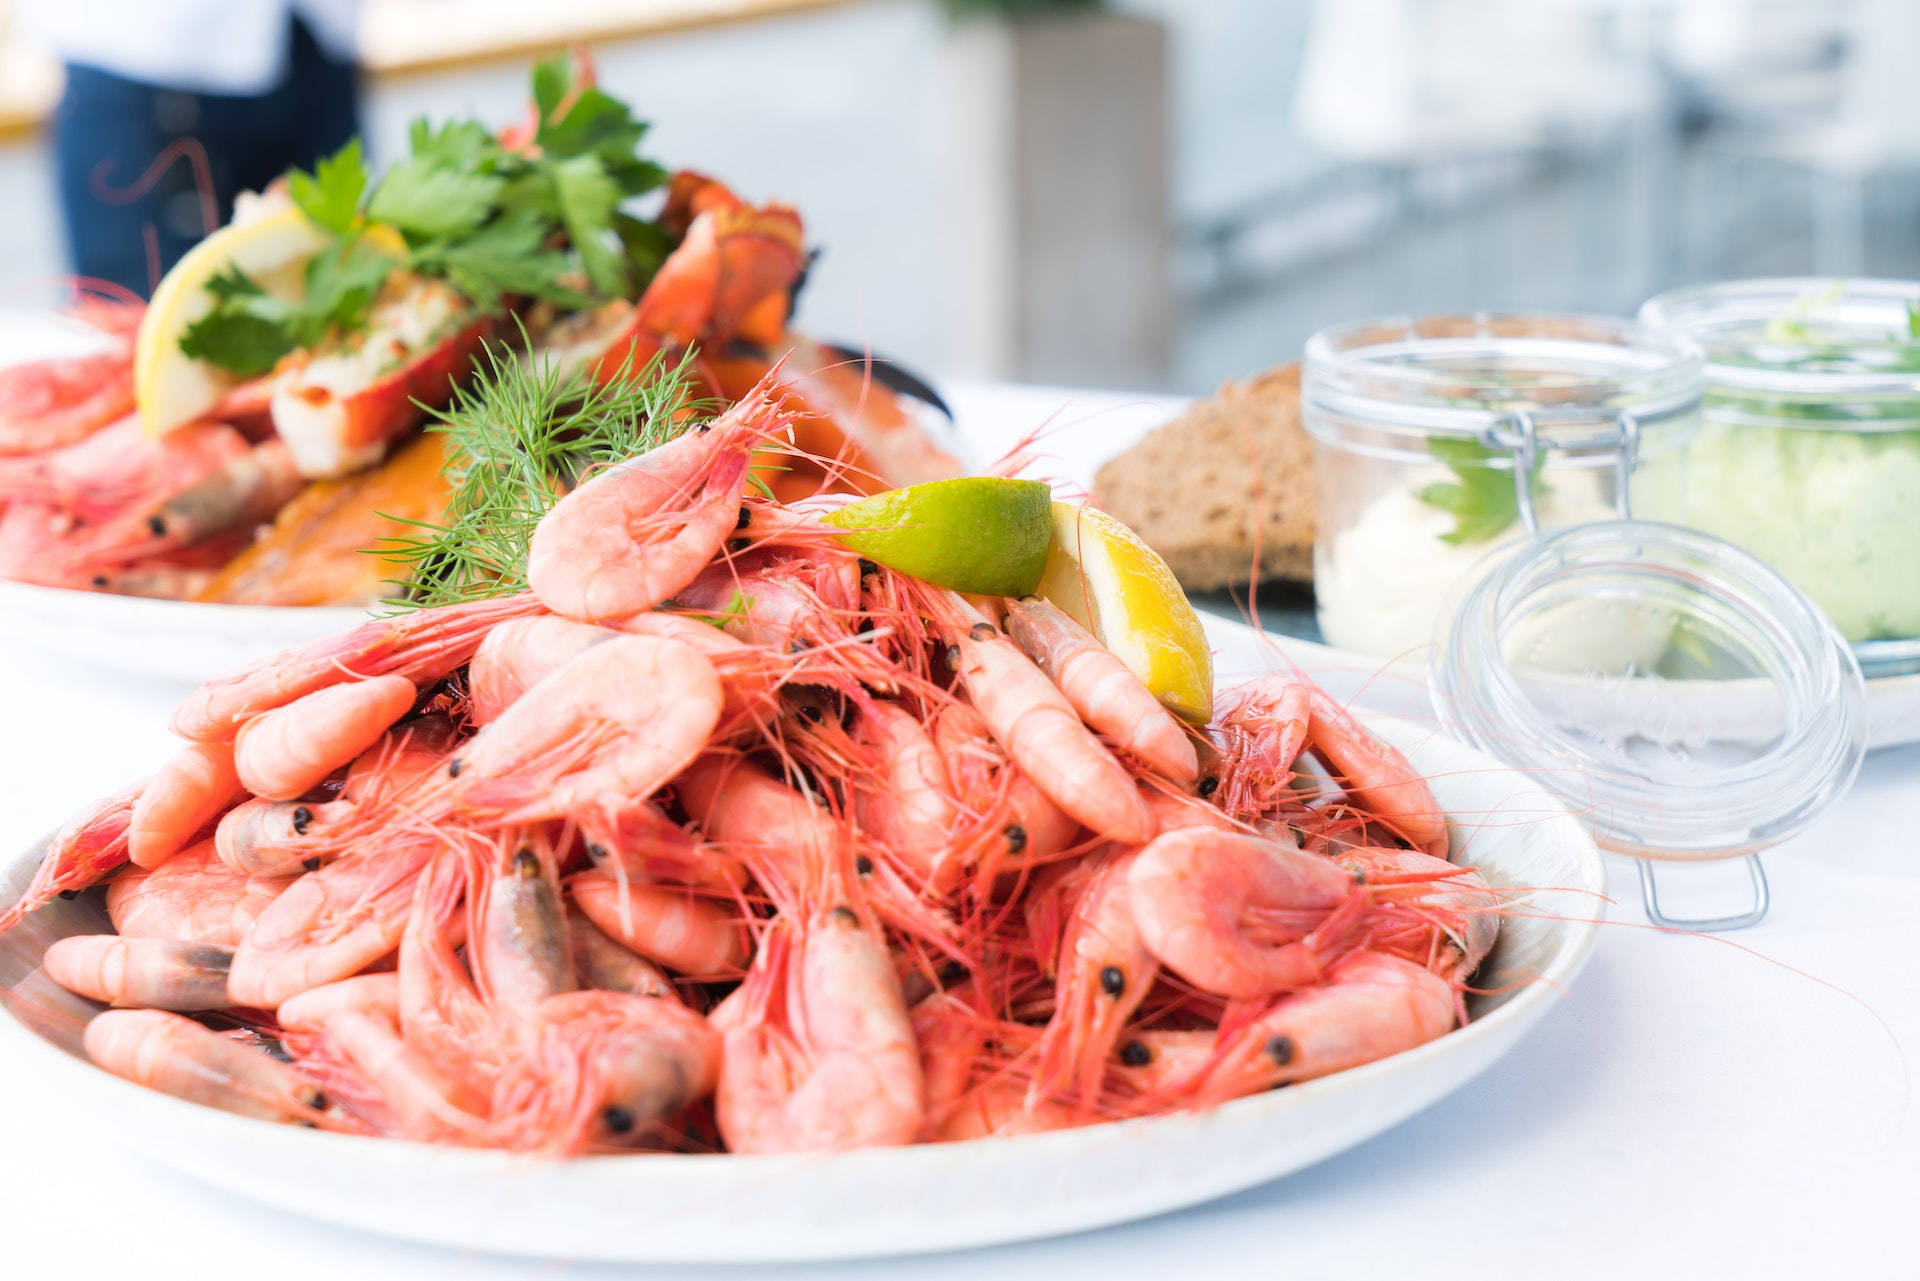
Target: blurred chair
[[1864, 123]]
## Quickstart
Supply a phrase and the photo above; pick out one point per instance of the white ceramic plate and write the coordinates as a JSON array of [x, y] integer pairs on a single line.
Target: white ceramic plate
[[169, 639], [857, 1204]]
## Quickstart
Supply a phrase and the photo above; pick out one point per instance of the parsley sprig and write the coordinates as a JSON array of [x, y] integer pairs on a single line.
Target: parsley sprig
[[518, 436], [543, 221], [1481, 499]]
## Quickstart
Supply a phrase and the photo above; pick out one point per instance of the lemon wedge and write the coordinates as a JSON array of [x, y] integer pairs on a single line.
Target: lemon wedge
[[170, 387], [985, 535], [1119, 589]]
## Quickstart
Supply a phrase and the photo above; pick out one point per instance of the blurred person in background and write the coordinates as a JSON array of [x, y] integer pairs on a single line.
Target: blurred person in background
[[260, 85]]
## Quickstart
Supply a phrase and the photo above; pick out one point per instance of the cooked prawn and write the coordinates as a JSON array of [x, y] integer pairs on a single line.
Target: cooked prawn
[[195, 786], [1104, 690], [1239, 915], [279, 755], [639, 531], [152, 974], [819, 1050], [175, 1055], [1043, 734]]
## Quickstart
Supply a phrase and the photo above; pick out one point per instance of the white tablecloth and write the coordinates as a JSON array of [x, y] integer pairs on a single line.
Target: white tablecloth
[[1694, 1107]]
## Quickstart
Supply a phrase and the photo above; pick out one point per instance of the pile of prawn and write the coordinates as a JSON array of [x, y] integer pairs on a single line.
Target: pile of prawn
[[722, 839]]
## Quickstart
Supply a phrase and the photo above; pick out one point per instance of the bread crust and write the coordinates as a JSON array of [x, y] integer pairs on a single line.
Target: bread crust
[[1229, 479]]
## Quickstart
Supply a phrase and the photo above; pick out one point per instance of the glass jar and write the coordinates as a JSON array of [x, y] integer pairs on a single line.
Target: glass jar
[[1417, 423], [1810, 452]]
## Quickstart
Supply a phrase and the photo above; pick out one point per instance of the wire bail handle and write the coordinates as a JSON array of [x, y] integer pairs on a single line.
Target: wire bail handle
[[1516, 433]]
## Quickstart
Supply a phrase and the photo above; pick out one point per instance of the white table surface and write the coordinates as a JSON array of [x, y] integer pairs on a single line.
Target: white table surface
[[1694, 1107]]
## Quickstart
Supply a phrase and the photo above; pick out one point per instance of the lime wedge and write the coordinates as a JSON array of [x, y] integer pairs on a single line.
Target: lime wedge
[[979, 534], [1119, 589]]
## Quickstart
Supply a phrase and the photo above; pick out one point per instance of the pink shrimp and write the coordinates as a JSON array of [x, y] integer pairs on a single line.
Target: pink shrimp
[[195, 786], [1262, 727], [422, 646], [175, 1055], [1106, 693], [277, 837], [1241, 916], [191, 898], [688, 935], [1431, 912], [601, 963], [519, 944], [1367, 1007], [819, 1049], [908, 806], [1376, 775], [639, 531], [516, 655], [603, 1067], [346, 1035], [81, 854], [1105, 972], [798, 851], [281, 754], [619, 719], [333, 922], [1009, 822], [1043, 734], [45, 404], [153, 974]]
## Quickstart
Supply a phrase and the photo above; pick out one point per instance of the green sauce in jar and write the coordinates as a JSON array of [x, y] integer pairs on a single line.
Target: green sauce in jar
[[1810, 456]]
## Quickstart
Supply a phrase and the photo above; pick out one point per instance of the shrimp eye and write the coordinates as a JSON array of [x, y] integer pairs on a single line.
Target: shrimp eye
[[867, 568], [526, 865], [983, 631], [596, 851], [310, 864], [1209, 785], [1280, 1050], [453, 768], [69, 895], [739, 544], [99, 580], [1016, 838], [1134, 1054], [158, 524], [1112, 981], [844, 916], [302, 817], [811, 714], [863, 865], [746, 518], [617, 1119], [953, 657]]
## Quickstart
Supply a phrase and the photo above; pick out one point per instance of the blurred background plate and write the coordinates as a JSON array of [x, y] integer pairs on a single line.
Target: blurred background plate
[[168, 639], [859, 1204]]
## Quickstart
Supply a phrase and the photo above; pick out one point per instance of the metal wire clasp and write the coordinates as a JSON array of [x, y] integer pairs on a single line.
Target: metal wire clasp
[[1514, 432]]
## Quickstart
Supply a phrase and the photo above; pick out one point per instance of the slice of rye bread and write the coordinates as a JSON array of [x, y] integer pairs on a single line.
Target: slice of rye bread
[[1202, 487]]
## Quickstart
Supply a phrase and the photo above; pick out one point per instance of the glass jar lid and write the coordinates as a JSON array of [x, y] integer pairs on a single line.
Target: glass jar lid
[[1834, 354], [1671, 688], [1384, 388]]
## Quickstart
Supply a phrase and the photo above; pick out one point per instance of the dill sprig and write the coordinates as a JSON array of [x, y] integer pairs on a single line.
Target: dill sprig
[[520, 434]]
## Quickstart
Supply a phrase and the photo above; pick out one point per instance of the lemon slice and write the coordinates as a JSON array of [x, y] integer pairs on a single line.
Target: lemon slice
[[979, 534], [1119, 589], [170, 387]]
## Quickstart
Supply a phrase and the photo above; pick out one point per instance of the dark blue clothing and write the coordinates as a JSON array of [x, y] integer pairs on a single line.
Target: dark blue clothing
[[107, 130]]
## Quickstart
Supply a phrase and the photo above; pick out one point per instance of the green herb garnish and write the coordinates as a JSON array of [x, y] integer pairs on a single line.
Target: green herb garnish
[[541, 223], [1482, 500], [518, 436]]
